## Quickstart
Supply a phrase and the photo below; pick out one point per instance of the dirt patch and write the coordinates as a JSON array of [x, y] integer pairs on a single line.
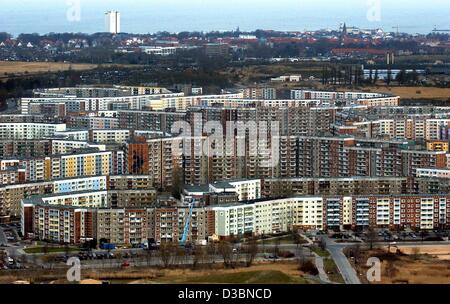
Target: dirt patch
[[263, 272], [439, 251], [19, 67], [413, 92], [401, 268]]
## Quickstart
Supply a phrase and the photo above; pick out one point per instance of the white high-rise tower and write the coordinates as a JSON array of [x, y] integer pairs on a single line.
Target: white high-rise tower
[[112, 22]]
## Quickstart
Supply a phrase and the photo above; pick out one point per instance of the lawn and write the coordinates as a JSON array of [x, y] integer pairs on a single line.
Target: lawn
[[286, 239], [332, 271], [320, 251], [40, 249]]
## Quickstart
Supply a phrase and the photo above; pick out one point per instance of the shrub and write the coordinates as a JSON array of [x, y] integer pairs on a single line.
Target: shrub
[[308, 267]]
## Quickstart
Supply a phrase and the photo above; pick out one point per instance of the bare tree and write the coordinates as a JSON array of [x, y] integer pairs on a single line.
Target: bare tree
[[390, 269], [166, 250], [148, 256], [276, 248], [415, 252], [354, 252], [296, 237], [225, 249], [198, 253], [371, 237], [250, 251], [322, 244], [211, 250]]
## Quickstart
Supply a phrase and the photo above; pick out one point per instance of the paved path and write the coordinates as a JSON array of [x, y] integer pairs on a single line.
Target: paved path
[[322, 274], [347, 271]]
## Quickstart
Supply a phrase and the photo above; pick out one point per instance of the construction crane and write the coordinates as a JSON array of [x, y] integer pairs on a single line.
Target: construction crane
[[186, 226], [398, 27], [439, 30]]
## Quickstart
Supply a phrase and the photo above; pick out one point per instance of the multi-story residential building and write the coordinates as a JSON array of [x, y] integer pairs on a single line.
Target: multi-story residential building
[[260, 93], [29, 130], [127, 226], [59, 224], [245, 189], [166, 224], [83, 199], [71, 146], [109, 136], [25, 148], [137, 156]]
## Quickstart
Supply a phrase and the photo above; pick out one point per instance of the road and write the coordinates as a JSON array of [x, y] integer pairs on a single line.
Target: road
[[347, 271], [3, 240]]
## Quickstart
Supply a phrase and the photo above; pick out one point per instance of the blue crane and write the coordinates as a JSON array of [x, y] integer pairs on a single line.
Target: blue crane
[[186, 226]]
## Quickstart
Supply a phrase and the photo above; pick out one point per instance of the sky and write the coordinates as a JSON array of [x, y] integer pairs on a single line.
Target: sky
[[149, 16]]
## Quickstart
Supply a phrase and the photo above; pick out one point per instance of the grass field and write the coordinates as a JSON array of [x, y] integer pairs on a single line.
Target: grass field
[[320, 252], [40, 249], [332, 271]]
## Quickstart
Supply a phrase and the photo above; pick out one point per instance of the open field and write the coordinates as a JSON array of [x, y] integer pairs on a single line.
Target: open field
[[413, 92], [20, 68], [401, 268], [440, 252], [259, 273]]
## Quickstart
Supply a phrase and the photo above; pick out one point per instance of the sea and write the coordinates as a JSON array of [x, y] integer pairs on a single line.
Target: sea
[[151, 16]]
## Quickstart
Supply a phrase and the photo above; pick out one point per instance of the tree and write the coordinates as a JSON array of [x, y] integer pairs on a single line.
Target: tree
[[389, 76], [371, 237], [390, 269], [66, 249], [375, 78], [276, 249], [166, 255], [211, 252], [225, 250], [401, 77], [198, 253], [415, 252], [296, 238], [250, 251], [322, 244], [148, 256], [355, 252], [45, 249], [423, 234]]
